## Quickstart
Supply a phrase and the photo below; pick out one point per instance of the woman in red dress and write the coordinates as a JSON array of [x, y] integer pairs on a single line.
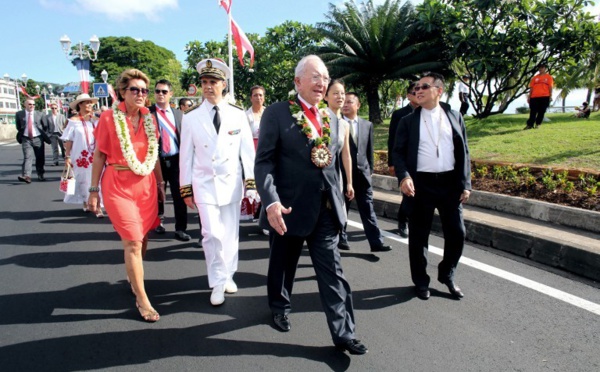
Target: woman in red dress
[[126, 157]]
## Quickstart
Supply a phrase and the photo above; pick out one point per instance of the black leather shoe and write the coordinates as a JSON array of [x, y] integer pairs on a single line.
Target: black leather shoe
[[160, 229], [282, 322], [181, 235], [423, 293], [528, 127], [454, 290], [382, 248], [403, 230], [41, 178], [199, 244], [344, 246], [353, 346], [56, 163]]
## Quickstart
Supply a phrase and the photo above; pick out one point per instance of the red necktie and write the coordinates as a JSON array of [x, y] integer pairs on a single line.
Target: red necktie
[[30, 125], [166, 142], [314, 119]]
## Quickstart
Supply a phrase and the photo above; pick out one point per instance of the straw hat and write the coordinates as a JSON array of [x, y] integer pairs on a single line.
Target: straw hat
[[80, 98]]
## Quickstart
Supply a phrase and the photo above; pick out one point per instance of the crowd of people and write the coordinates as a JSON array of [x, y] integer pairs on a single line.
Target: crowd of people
[[303, 160]]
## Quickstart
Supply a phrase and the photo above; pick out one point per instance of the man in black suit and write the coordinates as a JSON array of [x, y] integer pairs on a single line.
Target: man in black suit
[[169, 123], [31, 134], [299, 187], [396, 116], [433, 167], [361, 151]]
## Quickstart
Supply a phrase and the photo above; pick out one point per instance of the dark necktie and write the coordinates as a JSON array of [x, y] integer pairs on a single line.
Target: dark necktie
[[217, 119]]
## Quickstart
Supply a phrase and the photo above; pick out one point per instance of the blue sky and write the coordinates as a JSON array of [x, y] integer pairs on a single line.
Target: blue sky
[[33, 27]]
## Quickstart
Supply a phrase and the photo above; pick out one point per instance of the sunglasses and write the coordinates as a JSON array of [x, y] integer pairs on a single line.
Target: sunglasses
[[136, 90], [424, 87], [54, 108], [163, 91]]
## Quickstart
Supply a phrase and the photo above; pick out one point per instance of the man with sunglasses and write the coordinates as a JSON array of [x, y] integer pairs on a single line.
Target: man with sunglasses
[[169, 124], [432, 163], [55, 122], [31, 134], [396, 116]]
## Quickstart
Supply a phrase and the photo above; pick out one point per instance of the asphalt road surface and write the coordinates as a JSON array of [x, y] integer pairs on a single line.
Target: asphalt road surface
[[65, 304]]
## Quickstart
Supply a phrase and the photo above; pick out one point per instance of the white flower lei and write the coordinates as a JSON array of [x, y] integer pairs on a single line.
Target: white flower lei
[[141, 169]]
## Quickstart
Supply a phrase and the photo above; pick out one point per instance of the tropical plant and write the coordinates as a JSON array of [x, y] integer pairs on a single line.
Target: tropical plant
[[369, 44]]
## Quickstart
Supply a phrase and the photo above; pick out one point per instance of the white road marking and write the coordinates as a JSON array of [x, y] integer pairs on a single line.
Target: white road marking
[[11, 143], [542, 288]]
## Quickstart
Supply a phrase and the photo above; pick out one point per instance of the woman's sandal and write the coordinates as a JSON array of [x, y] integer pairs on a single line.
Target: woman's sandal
[[99, 214], [149, 316]]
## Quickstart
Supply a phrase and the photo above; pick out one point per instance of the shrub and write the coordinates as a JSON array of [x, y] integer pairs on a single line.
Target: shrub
[[522, 110], [482, 171], [497, 172], [569, 187]]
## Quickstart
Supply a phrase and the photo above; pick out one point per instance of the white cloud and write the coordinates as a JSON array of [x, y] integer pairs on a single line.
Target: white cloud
[[119, 10]]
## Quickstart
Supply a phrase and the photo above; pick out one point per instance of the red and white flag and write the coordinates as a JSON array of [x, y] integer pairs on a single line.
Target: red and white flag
[[24, 92], [242, 43], [226, 4], [112, 93]]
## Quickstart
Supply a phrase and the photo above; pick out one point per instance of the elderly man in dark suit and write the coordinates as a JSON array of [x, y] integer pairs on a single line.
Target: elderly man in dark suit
[[361, 151], [31, 134], [433, 167], [169, 122], [298, 183], [395, 120]]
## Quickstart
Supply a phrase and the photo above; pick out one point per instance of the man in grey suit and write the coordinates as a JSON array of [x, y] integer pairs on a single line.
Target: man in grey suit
[[55, 122], [169, 124], [31, 134], [299, 187], [361, 150], [432, 163]]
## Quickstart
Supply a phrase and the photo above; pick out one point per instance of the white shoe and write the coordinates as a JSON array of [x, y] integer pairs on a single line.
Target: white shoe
[[218, 295], [230, 286]]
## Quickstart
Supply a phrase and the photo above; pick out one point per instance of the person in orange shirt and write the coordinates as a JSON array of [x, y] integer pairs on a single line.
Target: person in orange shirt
[[539, 96]]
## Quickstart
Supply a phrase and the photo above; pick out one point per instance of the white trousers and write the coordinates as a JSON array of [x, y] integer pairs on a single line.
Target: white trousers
[[220, 241]]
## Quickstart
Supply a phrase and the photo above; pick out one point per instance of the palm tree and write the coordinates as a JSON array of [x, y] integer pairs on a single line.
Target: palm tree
[[368, 45]]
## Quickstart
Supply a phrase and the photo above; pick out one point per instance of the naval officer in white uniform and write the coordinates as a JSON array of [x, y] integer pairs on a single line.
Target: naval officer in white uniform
[[216, 145]]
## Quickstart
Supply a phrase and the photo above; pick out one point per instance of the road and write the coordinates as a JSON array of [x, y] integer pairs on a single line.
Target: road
[[65, 305]]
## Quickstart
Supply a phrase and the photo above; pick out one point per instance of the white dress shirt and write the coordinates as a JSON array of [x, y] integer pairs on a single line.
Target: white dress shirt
[[436, 149]]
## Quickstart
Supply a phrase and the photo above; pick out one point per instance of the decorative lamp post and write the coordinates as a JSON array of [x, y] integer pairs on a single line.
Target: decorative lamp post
[[81, 57], [104, 76]]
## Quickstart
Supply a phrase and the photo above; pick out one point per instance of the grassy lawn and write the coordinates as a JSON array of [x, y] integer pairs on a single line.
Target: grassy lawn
[[565, 141]]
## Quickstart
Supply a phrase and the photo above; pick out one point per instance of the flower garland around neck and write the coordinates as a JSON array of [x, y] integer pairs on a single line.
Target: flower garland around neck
[[302, 121], [320, 155], [141, 169]]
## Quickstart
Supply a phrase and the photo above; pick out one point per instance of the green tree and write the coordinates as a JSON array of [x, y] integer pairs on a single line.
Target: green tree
[[276, 55], [117, 54], [499, 43], [369, 45]]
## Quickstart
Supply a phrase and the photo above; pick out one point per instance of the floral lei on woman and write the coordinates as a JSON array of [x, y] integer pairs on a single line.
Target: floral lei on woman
[[141, 169], [302, 121]]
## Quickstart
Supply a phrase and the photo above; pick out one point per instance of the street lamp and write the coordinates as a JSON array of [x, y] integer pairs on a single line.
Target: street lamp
[[104, 76], [81, 57], [81, 52]]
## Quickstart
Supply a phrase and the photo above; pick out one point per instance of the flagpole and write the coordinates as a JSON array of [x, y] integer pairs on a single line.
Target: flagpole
[[231, 86]]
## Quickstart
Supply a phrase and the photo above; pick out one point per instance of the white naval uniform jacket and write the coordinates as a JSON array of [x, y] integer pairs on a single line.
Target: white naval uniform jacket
[[213, 163]]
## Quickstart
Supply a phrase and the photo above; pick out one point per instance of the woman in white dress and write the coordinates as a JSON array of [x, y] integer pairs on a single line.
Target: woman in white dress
[[80, 143], [335, 96], [254, 114]]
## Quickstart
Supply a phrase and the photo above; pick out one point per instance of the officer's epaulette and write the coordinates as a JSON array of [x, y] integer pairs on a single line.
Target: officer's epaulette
[[192, 108], [236, 106]]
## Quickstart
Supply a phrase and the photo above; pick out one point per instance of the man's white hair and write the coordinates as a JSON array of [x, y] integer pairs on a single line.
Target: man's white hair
[[302, 64]]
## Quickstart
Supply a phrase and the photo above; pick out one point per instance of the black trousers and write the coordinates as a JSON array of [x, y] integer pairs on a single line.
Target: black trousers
[[464, 107], [170, 170], [433, 191], [334, 290], [537, 110], [363, 194]]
